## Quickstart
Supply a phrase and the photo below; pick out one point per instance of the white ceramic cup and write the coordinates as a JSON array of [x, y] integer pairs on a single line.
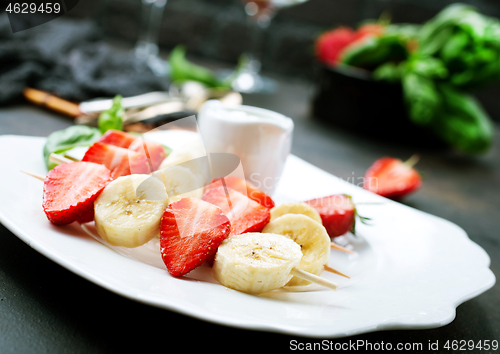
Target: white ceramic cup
[[261, 138]]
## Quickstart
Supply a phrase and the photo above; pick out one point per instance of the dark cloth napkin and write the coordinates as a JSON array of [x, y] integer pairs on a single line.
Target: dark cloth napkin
[[69, 58]]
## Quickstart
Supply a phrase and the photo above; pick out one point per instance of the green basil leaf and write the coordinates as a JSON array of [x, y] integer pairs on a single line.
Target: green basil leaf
[[455, 45], [390, 72], [467, 41], [182, 70], [429, 67], [421, 97], [372, 52], [463, 123], [112, 118], [434, 33], [66, 139]]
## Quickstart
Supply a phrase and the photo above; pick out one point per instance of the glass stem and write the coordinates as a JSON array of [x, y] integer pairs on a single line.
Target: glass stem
[[257, 23], [147, 44]]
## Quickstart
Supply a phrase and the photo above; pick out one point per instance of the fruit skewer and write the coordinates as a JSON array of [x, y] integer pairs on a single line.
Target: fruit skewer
[[312, 238], [306, 209], [256, 263], [103, 155], [326, 267], [294, 272]]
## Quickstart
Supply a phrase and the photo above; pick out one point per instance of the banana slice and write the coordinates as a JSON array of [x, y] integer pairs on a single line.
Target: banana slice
[[295, 208], [255, 263], [179, 183], [191, 155], [129, 209], [312, 238]]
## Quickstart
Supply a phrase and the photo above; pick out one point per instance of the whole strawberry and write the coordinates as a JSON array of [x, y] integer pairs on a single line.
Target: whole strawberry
[[338, 213], [330, 44]]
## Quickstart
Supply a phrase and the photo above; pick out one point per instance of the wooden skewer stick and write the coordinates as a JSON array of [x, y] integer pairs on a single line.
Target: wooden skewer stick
[[314, 278], [340, 248], [41, 178], [58, 159], [335, 271]]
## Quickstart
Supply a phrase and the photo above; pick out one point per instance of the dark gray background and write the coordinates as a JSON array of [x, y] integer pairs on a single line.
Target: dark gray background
[[216, 29]]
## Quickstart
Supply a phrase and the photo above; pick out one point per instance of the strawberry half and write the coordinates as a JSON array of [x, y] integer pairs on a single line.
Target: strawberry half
[[337, 212], [245, 214], [392, 178], [117, 138], [243, 186], [120, 161], [153, 151], [191, 230], [70, 189]]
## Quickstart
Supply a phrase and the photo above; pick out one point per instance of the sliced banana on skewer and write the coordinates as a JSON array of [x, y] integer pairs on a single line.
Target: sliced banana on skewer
[[189, 150], [129, 209], [295, 208], [256, 263], [307, 210], [191, 155], [180, 182], [312, 238]]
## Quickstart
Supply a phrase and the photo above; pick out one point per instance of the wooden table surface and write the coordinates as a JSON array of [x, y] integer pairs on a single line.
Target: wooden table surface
[[45, 308]]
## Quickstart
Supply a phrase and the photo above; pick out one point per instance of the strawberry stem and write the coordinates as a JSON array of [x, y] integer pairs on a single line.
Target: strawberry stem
[[385, 18], [412, 161], [364, 219]]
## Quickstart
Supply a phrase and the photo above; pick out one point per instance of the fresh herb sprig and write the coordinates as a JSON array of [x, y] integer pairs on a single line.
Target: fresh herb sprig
[[74, 136]]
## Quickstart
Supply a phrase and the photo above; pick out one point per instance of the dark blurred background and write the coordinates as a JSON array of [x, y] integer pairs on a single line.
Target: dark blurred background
[[216, 29]]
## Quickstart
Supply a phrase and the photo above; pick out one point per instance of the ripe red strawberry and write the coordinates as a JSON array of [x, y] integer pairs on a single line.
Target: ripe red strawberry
[[245, 214], [70, 189], [338, 213], [393, 178], [117, 138], [155, 152], [120, 161], [330, 44], [152, 150], [243, 186], [191, 230]]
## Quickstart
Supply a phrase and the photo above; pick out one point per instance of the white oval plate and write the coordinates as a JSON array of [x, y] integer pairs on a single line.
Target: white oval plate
[[410, 270]]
